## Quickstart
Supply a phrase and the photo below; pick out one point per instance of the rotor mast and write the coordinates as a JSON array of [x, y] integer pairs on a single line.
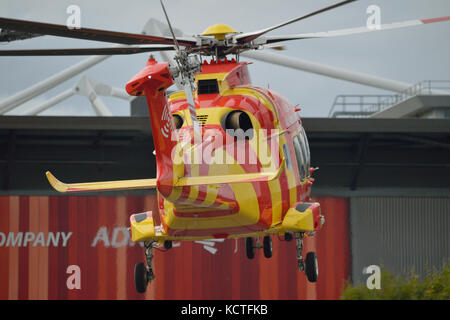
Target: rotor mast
[[220, 32]]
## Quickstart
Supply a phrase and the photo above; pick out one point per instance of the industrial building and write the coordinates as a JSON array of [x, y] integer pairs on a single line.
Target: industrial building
[[384, 186]]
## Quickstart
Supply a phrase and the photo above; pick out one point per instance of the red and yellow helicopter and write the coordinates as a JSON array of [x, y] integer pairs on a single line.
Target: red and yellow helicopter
[[232, 159]]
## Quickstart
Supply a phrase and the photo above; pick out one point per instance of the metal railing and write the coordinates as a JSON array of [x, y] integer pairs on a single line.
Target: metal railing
[[354, 105], [359, 106]]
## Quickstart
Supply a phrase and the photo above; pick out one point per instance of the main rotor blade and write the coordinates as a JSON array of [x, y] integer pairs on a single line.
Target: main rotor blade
[[333, 72], [349, 31], [177, 47], [88, 34], [12, 35], [83, 51], [250, 36], [188, 91]]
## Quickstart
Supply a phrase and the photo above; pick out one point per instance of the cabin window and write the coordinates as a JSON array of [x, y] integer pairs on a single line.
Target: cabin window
[[208, 86], [307, 151], [304, 153], [300, 158], [287, 156]]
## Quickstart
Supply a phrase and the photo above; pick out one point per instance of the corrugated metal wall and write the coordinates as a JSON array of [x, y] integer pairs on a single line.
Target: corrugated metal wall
[[400, 233], [41, 236]]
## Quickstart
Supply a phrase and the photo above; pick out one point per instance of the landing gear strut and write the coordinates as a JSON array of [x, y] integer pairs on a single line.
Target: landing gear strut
[[310, 265], [299, 243], [143, 274]]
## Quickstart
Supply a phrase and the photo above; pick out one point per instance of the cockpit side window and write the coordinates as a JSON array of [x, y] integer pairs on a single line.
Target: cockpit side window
[[300, 157], [306, 151]]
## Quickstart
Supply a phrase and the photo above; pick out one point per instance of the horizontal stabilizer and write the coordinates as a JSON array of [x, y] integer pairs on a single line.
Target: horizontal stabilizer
[[100, 186], [232, 178], [151, 183]]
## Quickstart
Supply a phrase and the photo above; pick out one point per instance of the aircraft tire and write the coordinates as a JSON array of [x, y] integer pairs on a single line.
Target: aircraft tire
[[140, 277], [250, 247], [168, 244], [311, 267], [267, 246]]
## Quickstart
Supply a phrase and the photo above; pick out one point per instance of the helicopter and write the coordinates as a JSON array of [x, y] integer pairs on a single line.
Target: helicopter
[[233, 159]]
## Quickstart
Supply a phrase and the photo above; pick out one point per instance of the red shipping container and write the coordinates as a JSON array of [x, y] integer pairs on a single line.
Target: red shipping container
[[41, 236]]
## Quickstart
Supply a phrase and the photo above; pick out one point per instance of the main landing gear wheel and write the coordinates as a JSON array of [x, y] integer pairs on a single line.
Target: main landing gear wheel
[[288, 237], [267, 246], [311, 267], [250, 247], [144, 274], [140, 277], [168, 244]]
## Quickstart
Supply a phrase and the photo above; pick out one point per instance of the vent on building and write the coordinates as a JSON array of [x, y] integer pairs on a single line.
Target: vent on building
[[208, 86]]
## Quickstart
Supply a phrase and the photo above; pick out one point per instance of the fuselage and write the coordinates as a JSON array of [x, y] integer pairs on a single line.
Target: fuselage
[[271, 133]]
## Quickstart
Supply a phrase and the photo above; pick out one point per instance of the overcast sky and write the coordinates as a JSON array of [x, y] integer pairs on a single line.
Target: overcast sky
[[410, 55]]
